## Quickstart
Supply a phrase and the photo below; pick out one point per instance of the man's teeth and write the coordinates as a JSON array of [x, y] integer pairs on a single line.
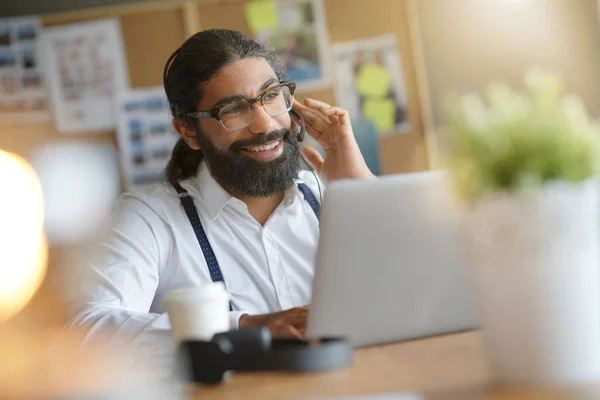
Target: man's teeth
[[263, 148]]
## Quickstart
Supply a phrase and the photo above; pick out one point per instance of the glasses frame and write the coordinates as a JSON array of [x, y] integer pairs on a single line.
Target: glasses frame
[[214, 112]]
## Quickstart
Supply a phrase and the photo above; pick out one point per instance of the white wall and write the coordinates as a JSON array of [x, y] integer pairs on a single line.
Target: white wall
[[468, 43]]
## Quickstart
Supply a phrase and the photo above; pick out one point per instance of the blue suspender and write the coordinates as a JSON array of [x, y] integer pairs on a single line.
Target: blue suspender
[[310, 198], [192, 213]]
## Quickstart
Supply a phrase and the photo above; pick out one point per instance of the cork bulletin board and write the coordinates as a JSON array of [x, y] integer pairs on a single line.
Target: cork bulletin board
[[151, 31]]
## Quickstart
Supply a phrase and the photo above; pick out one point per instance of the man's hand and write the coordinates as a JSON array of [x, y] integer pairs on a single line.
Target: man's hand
[[331, 127], [289, 323]]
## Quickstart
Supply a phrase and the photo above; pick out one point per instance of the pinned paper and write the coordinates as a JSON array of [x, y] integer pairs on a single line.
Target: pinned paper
[[86, 68], [261, 15], [373, 80], [381, 111]]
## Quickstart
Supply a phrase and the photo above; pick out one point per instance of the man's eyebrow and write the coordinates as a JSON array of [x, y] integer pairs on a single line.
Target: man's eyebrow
[[268, 83], [229, 99]]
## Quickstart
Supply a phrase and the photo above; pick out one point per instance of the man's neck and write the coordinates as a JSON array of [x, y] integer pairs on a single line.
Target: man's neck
[[261, 208]]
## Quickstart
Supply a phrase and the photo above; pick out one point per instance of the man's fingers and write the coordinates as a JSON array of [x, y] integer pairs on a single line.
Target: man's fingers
[[340, 114], [296, 317], [316, 104], [283, 330], [334, 120], [298, 311], [297, 320], [334, 114], [312, 117]]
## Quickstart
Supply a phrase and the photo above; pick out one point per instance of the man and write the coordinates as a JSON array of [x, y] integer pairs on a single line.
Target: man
[[251, 217]]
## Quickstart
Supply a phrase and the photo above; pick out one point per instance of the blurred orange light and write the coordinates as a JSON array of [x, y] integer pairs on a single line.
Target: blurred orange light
[[24, 250]]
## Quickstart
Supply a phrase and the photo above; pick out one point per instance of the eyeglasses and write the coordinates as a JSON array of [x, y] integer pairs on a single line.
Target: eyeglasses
[[276, 100]]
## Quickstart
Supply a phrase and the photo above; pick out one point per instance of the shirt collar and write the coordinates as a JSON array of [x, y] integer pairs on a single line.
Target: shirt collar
[[293, 193], [213, 194]]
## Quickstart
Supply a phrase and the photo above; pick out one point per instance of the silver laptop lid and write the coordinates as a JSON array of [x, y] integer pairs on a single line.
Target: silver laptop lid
[[391, 263]]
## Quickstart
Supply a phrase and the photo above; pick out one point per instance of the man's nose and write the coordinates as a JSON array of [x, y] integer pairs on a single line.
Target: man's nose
[[262, 123]]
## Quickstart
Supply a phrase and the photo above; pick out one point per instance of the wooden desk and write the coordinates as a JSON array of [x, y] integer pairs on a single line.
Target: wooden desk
[[440, 368]]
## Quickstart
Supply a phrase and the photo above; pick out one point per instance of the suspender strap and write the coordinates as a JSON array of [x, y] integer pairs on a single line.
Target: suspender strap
[[192, 213], [190, 209], [310, 198]]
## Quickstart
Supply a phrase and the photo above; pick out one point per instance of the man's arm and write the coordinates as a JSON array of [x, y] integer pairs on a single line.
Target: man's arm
[[120, 277]]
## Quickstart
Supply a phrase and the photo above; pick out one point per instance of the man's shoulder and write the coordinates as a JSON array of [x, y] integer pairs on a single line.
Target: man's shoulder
[[305, 175], [154, 195]]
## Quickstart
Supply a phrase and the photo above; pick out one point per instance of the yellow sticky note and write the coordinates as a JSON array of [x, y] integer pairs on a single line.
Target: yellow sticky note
[[261, 15], [381, 112], [373, 80]]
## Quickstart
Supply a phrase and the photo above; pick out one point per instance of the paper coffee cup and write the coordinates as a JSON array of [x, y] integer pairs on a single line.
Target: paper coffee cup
[[198, 313]]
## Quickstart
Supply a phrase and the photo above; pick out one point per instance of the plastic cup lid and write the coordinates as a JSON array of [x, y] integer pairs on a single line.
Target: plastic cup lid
[[208, 291]]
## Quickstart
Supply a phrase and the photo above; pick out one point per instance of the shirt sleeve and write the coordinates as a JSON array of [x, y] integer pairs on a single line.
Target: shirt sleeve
[[234, 318], [119, 278]]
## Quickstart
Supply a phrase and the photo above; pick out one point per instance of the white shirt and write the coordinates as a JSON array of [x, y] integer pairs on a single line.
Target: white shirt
[[149, 248]]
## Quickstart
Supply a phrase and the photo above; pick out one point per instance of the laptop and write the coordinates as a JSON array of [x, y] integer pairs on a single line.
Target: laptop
[[391, 263]]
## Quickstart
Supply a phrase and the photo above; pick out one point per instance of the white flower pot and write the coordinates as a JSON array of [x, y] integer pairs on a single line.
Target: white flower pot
[[537, 275]]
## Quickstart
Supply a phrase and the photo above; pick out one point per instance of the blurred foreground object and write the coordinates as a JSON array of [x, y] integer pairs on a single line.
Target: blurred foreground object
[[24, 252], [50, 365], [80, 182], [527, 166], [521, 141], [37, 358]]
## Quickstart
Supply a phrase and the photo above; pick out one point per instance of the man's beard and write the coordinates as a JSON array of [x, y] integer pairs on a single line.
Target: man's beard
[[244, 176]]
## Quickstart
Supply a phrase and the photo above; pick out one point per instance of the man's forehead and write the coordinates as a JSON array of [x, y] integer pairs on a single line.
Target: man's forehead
[[246, 77]]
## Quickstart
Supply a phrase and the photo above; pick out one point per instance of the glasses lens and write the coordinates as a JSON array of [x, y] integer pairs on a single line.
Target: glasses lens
[[278, 100], [236, 115]]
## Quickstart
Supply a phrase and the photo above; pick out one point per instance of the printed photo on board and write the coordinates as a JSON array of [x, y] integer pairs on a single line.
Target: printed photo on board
[[296, 30], [370, 83], [23, 96], [145, 135]]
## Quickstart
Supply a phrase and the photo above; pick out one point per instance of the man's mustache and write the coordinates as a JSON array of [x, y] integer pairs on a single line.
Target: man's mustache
[[262, 139]]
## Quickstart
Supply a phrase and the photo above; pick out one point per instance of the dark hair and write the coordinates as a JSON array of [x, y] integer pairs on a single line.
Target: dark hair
[[199, 58]]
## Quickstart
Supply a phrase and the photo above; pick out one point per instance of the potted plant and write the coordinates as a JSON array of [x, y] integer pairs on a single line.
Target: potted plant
[[525, 164]]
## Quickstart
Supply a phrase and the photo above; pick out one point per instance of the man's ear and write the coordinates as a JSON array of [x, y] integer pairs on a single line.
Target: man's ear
[[187, 133]]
